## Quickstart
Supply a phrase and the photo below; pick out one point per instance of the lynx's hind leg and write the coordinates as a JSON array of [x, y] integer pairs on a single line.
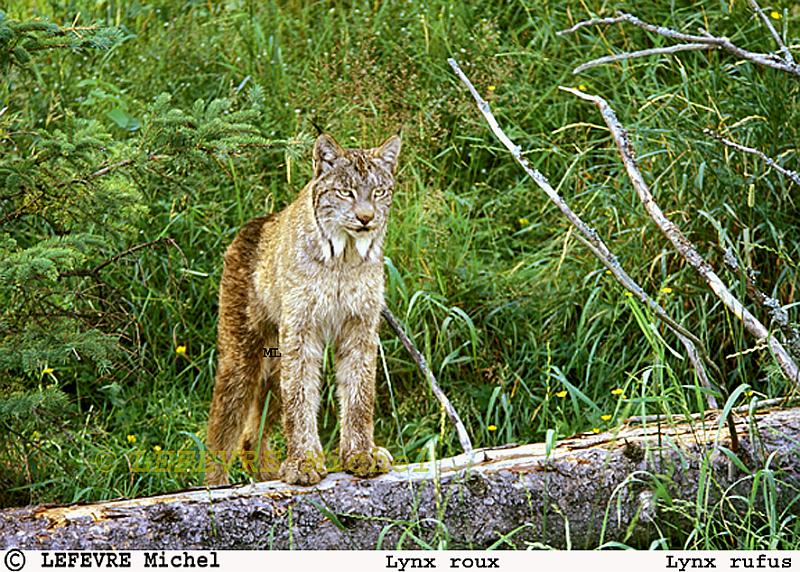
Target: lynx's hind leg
[[240, 366], [236, 381], [260, 459]]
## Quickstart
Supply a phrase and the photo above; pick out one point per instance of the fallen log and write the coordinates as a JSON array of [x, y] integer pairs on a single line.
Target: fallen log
[[584, 491]]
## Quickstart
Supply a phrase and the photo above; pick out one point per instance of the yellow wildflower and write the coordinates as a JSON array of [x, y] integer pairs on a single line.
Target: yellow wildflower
[[609, 272], [131, 438], [666, 290], [523, 221], [491, 88], [595, 430], [606, 417], [180, 350], [775, 15], [47, 370], [562, 394], [616, 391], [582, 87], [156, 448], [629, 294]]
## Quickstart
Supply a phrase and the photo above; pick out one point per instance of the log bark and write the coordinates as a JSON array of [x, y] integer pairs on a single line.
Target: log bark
[[586, 490]]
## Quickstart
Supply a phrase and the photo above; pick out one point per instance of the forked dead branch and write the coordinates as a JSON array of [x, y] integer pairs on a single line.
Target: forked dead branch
[[787, 55], [682, 244], [782, 61], [770, 304], [694, 347]]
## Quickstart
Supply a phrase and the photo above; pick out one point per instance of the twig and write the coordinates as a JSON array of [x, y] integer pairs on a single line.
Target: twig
[[681, 243], [75, 29], [131, 250], [773, 307], [639, 54], [419, 359], [692, 344], [108, 169], [787, 55], [704, 41], [793, 175], [589, 23]]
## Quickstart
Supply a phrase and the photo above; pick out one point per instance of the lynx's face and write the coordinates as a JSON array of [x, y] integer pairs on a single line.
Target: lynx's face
[[353, 191]]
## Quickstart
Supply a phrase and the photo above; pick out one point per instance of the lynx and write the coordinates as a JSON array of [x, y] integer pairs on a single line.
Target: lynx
[[309, 275]]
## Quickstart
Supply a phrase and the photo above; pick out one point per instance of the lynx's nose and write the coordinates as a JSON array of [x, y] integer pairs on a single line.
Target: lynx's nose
[[364, 213]]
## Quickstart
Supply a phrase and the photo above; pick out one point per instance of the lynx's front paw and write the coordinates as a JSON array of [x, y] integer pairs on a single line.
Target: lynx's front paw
[[308, 469], [375, 461]]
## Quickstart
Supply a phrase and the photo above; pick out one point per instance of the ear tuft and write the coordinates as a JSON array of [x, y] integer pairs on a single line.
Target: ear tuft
[[388, 152], [326, 152]]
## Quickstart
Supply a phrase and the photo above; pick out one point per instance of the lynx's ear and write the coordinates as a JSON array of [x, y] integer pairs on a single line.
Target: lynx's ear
[[326, 152], [388, 152]]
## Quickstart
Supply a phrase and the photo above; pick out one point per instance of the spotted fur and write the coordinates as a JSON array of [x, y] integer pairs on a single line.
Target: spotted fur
[[307, 276]]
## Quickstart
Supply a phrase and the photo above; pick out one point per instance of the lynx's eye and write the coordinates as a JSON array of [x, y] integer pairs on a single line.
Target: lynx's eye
[[345, 193], [379, 192]]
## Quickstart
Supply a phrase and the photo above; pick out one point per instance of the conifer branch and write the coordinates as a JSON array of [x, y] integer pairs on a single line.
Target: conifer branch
[[96, 269], [109, 168]]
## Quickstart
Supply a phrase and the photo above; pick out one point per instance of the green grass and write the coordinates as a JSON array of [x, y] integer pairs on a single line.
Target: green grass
[[507, 306]]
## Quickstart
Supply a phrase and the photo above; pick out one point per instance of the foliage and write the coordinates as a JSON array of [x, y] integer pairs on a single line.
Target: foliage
[[135, 146]]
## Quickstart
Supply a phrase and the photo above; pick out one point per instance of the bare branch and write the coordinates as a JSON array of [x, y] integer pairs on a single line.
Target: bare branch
[[706, 40], [793, 175], [682, 244], [660, 30], [419, 359], [787, 55], [640, 54], [596, 245], [592, 22]]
